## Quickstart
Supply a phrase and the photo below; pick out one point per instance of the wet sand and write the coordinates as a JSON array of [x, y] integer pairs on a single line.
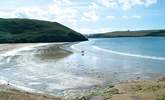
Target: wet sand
[[141, 90], [8, 92], [7, 47], [129, 90]]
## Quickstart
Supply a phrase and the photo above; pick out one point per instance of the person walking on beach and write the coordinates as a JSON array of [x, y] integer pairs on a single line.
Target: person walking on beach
[[82, 52]]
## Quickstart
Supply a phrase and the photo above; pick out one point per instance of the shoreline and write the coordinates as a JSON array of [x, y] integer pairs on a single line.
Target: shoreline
[[126, 90], [9, 91], [129, 90]]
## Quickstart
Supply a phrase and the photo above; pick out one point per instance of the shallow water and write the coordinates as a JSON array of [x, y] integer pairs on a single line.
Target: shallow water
[[50, 69]]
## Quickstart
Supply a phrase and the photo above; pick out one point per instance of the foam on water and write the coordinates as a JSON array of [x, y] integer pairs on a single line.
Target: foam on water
[[73, 47], [3, 82], [129, 54]]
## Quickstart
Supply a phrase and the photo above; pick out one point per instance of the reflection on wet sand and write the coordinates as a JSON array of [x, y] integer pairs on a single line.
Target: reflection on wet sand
[[52, 52]]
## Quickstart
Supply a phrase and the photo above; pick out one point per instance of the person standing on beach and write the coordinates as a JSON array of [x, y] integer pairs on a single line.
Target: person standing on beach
[[82, 52]]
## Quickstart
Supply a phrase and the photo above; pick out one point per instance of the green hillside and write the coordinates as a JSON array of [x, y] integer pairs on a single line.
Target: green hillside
[[129, 34], [36, 31]]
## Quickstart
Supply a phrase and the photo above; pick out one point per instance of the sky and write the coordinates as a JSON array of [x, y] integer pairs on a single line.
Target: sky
[[90, 16]]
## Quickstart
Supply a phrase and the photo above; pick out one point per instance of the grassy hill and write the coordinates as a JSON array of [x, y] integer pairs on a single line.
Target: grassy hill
[[36, 31], [129, 34]]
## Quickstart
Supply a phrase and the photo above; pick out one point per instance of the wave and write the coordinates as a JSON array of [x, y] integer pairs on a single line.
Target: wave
[[18, 87], [3, 82], [73, 47], [130, 54]]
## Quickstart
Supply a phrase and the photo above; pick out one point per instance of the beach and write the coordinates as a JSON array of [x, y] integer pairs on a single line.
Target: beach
[[10, 92], [128, 90], [51, 72], [133, 90]]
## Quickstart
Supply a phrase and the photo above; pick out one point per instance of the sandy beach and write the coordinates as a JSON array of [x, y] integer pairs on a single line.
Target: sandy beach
[[130, 90], [126, 90], [8, 47], [9, 92]]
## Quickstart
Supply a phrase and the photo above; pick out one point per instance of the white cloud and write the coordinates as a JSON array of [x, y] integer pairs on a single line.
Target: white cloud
[[33, 12], [62, 12], [93, 30], [73, 13], [93, 5], [131, 17], [110, 17], [62, 2], [136, 16], [109, 3], [4, 14], [91, 14], [126, 4], [66, 2]]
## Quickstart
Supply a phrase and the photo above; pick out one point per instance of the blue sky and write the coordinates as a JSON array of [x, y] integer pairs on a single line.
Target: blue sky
[[91, 16]]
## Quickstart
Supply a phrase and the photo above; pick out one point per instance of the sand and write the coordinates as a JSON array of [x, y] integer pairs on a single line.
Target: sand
[[129, 90], [132, 90], [141, 90], [7, 47], [9, 92]]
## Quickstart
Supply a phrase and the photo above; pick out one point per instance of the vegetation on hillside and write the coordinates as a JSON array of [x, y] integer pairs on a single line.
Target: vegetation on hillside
[[36, 31], [129, 34]]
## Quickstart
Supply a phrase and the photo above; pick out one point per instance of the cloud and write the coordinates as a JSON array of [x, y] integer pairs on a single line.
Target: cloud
[[4, 14], [60, 11], [136, 16], [91, 14], [132, 17], [126, 4], [62, 2], [110, 17], [74, 13], [109, 3], [33, 12], [94, 5], [93, 30]]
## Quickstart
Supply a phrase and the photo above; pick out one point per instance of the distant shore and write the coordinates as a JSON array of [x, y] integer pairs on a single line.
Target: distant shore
[[138, 33]]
